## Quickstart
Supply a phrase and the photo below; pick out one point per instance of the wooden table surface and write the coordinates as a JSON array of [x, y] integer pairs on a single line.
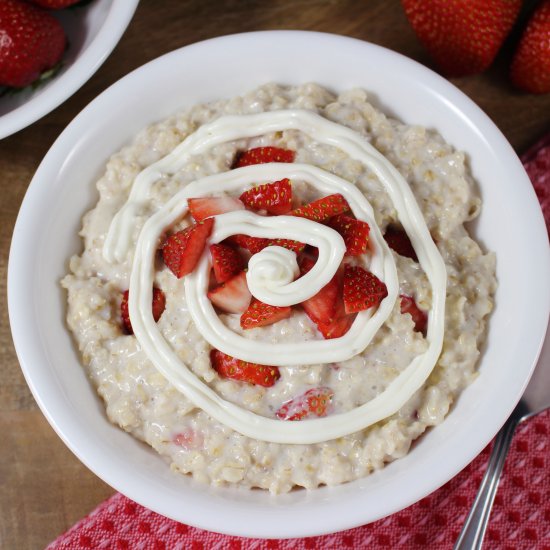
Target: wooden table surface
[[44, 489]]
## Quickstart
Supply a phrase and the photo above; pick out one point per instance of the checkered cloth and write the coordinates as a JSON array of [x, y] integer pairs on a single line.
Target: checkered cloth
[[520, 519]]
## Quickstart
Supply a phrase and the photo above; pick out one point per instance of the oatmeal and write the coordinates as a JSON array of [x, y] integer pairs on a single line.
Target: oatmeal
[[317, 301]]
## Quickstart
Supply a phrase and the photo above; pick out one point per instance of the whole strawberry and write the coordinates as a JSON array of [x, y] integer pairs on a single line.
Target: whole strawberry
[[530, 68], [462, 36], [54, 4], [31, 42]]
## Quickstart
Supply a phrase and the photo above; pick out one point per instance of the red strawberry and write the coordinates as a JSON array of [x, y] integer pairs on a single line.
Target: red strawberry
[[275, 198], [322, 209], [226, 262], [182, 250], [530, 68], [31, 42], [362, 289], [322, 306], [337, 327], [462, 36], [313, 403], [255, 244], [262, 155], [354, 232], [232, 296], [159, 303], [236, 369], [205, 207], [408, 305], [54, 4], [259, 314], [399, 241]]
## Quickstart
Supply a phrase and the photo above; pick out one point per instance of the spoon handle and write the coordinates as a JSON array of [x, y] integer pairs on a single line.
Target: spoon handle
[[471, 536]]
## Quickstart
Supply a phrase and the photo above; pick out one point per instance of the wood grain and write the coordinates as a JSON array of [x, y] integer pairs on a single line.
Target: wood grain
[[44, 489]]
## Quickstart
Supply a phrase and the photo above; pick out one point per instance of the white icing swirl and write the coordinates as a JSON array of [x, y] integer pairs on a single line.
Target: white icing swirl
[[271, 270], [339, 349]]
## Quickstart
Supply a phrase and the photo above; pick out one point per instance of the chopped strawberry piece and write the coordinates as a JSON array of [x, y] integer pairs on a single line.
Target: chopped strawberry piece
[[226, 262], [259, 314], [206, 207], [419, 317], [275, 198], [182, 250], [322, 306], [362, 289], [236, 369], [232, 296], [323, 209], [354, 232], [337, 327], [159, 303], [255, 244], [399, 241], [313, 403], [263, 155], [188, 439]]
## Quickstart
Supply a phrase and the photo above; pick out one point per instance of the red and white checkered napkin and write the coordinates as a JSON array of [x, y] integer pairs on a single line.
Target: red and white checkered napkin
[[520, 519]]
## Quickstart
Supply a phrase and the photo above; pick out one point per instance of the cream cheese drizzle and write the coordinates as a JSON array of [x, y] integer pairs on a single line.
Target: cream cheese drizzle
[[365, 325]]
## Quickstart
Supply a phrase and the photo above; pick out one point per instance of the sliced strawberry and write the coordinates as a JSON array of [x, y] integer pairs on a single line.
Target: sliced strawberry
[[232, 296], [362, 289], [322, 306], [205, 207], [419, 317], [255, 244], [262, 155], [259, 314], [275, 198], [159, 303], [399, 241], [236, 369], [182, 250], [337, 327], [323, 209], [226, 262], [354, 232], [313, 403]]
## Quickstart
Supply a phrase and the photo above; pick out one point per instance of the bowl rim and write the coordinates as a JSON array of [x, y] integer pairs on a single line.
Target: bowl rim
[[259, 526], [77, 74]]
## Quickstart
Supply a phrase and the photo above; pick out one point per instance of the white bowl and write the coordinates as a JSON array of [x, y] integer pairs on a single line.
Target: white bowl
[[92, 32], [63, 189]]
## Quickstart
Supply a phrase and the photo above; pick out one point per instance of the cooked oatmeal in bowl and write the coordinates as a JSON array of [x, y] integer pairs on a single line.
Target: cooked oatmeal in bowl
[[317, 302]]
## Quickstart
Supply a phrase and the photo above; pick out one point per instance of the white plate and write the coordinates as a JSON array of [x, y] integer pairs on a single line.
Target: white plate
[[63, 189], [92, 32]]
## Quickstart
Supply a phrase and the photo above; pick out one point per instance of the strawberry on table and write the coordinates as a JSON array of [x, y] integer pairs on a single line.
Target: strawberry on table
[[55, 4], [226, 262], [232, 296], [159, 303], [462, 36], [313, 403], [31, 43], [275, 198], [205, 207], [399, 242], [259, 314], [263, 155], [530, 68], [182, 250], [419, 317], [362, 289], [354, 232], [323, 209], [236, 369]]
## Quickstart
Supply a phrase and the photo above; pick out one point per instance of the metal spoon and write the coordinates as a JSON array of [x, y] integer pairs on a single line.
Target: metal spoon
[[535, 400]]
